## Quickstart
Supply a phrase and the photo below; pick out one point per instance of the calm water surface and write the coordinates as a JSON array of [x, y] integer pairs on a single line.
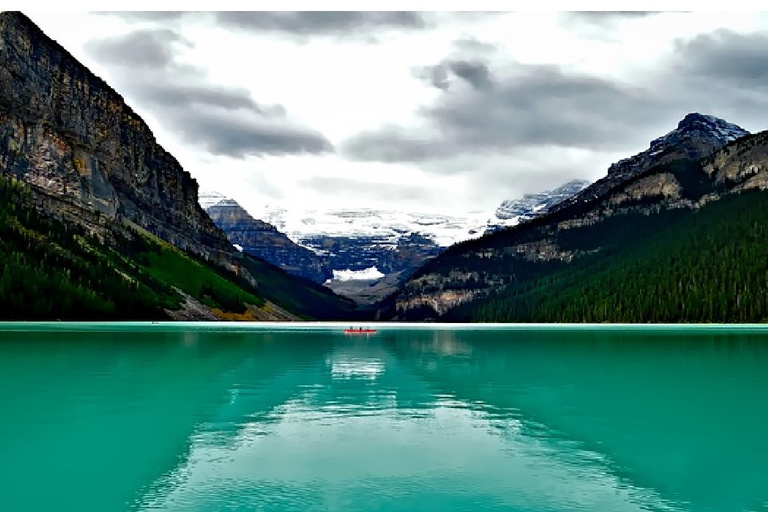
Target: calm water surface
[[196, 418]]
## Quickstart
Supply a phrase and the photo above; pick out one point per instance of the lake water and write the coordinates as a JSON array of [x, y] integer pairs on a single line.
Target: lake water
[[212, 417]]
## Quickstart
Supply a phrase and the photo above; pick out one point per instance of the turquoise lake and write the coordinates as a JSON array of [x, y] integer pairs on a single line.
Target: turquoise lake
[[212, 417]]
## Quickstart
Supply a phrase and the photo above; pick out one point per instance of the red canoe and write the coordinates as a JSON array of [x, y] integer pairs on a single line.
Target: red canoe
[[359, 331]]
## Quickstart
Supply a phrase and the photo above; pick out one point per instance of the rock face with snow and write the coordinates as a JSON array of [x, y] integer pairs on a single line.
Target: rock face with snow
[[696, 136], [263, 240], [324, 245], [532, 205], [394, 242]]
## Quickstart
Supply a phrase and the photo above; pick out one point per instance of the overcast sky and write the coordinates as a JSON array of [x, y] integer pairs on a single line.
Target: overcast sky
[[433, 112]]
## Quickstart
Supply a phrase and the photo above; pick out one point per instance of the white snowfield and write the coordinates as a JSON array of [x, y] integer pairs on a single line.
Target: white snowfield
[[362, 275], [389, 226], [385, 225]]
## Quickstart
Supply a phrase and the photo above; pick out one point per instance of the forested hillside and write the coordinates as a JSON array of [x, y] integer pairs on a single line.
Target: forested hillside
[[708, 265], [53, 271]]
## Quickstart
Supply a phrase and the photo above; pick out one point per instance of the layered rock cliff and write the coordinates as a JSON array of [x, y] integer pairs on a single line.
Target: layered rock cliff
[[88, 157]]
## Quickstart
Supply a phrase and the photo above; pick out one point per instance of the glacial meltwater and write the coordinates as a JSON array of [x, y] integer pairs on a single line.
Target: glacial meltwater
[[232, 417]]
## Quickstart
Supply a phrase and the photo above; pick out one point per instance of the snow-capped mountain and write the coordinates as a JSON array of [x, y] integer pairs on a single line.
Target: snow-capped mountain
[[259, 238], [362, 244], [386, 226], [696, 136], [696, 133], [531, 205]]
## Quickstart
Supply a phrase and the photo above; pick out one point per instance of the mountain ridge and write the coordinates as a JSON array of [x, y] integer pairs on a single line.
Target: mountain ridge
[[535, 251]]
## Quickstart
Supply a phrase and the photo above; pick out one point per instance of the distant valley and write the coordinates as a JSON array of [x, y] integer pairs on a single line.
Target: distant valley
[[364, 254]]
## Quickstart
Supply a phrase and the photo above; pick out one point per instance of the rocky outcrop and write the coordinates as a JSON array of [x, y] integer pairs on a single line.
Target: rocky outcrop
[[87, 156], [742, 164], [263, 240]]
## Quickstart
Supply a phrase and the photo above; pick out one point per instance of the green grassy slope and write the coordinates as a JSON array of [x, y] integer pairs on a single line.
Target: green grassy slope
[[301, 296], [51, 271]]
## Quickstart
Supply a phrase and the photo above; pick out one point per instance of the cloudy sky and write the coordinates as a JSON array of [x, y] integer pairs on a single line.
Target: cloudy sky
[[433, 112]]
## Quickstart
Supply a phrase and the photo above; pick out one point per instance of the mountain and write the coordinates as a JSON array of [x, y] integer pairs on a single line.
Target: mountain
[[534, 205], [342, 253], [261, 239], [696, 136], [673, 234], [98, 221], [89, 158], [363, 253], [397, 241]]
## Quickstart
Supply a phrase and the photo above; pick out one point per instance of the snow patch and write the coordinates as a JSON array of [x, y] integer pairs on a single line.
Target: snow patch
[[210, 198], [348, 275]]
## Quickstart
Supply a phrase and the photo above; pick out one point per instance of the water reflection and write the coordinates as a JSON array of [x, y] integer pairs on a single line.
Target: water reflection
[[682, 415], [408, 420], [362, 428]]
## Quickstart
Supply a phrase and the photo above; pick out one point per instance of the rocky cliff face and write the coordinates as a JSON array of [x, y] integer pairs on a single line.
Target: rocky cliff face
[[742, 164], [88, 157], [261, 239]]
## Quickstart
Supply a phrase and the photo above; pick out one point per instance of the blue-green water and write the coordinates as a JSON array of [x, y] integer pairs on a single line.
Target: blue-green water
[[214, 418]]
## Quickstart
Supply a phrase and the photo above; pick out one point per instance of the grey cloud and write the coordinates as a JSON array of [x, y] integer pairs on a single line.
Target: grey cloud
[[146, 15], [604, 18], [170, 94], [381, 191], [739, 59], [221, 133], [474, 46], [222, 120], [473, 71], [140, 49], [436, 76], [306, 23], [537, 106], [398, 144]]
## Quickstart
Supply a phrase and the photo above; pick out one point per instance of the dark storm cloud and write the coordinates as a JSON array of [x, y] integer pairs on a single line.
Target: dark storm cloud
[[222, 120], [537, 106], [306, 23], [739, 59], [140, 49]]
